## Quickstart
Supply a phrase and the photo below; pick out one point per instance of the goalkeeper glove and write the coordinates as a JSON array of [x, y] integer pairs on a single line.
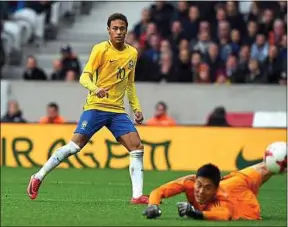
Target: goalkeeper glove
[[152, 211], [187, 209]]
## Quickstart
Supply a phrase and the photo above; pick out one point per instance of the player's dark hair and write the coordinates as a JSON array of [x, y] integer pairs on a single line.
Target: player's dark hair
[[117, 16], [161, 103], [53, 105], [211, 172]]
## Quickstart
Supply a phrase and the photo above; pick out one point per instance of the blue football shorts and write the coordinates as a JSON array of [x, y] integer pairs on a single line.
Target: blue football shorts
[[92, 121]]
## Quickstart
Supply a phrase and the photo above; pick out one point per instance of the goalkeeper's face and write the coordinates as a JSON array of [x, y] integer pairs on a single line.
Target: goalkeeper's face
[[117, 31], [204, 190]]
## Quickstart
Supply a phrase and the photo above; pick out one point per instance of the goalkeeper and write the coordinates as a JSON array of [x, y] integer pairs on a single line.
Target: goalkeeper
[[211, 198]]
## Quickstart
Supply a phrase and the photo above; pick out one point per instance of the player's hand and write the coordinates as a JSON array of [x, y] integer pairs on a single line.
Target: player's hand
[[185, 208], [152, 211], [139, 117], [101, 92]]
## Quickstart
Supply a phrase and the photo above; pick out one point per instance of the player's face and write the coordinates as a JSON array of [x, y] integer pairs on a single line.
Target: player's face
[[204, 190], [117, 31], [160, 110], [52, 112]]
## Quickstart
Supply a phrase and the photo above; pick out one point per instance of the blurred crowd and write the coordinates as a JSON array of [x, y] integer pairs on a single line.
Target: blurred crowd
[[193, 42], [66, 68], [161, 116], [32, 70], [212, 42]]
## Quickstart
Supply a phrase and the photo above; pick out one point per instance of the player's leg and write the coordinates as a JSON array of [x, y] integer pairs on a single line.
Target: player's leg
[[262, 169], [90, 122], [255, 176], [125, 133], [131, 141]]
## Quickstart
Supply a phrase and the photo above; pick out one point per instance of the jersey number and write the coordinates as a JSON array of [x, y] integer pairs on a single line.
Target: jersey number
[[121, 73]]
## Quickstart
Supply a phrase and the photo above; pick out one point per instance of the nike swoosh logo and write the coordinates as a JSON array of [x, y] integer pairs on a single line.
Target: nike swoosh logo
[[242, 162], [112, 61]]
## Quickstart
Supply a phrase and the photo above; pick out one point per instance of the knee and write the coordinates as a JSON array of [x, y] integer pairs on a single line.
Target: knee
[[80, 140], [137, 146]]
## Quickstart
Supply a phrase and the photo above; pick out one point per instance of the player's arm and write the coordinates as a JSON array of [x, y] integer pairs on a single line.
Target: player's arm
[[221, 213], [165, 191], [170, 189], [131, 91], [86, 78]]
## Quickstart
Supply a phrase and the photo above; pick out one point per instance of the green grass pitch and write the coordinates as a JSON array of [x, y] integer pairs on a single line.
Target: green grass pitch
[[91, 197]]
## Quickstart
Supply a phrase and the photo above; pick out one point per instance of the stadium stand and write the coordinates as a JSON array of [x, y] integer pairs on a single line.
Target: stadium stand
[[28, 26], [220, 42], [207, 40]]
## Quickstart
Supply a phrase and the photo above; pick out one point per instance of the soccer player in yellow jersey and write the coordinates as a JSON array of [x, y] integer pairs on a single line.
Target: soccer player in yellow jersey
[[108, 75]]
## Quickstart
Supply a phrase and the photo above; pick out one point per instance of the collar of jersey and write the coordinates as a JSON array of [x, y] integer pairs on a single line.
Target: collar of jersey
[[111, 44]]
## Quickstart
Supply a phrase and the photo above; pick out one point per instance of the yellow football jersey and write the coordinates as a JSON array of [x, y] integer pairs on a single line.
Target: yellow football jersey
[[110, 68]]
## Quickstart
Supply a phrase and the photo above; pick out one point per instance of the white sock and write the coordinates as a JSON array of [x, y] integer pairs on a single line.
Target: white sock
[[56, 158], [136, 172]]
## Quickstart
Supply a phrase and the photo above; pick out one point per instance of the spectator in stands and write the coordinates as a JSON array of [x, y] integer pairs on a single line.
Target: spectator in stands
[[2, 53], [146, 69], [130, 38], [275, 36], [167, 68], [204, 26], [161, 117], [183, 68], [70, 61], [151, 29], [283, 59], [181, 12], [204, 74], [71, 76], [165, 45], [259, 49], [177, 34], [220, 16], [203, 43], [32, 71], [195, 65], [235, 41], [58, 72], [244, 56], [218, 117], [53, 115], [153, 51], [254, 74], [230, 73], [254, 12], [162, 13], [283, 47], [282, 10], [235, 19], [14, 114], [252, 29], [184, 44], [190, 26], [267, 24], [213, 60], [272, 65], [141, 27], [224, 40]]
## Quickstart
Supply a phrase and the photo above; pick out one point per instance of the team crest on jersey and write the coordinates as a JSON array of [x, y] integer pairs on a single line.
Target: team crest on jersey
[[84, 124], [130, 64]]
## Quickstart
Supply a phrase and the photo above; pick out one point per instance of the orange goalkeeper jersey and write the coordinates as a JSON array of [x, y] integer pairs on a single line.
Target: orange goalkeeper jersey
[[235, 199]]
